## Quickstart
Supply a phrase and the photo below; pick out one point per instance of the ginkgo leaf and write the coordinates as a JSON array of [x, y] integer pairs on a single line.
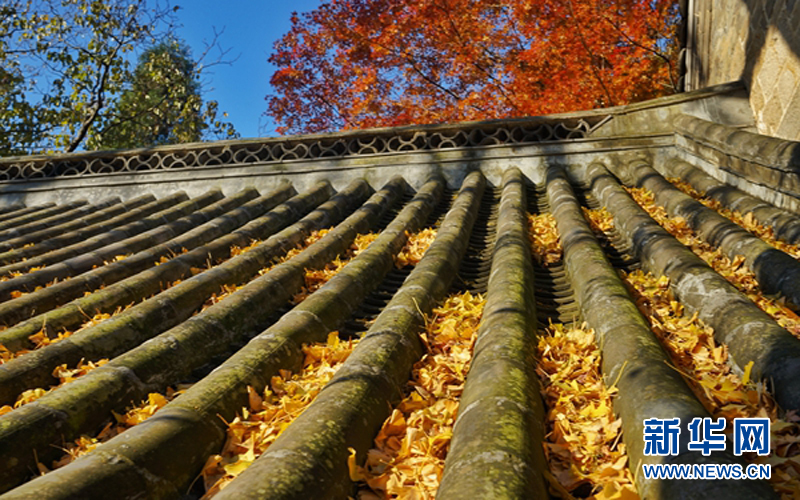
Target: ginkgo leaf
[[705, 364], [408, 458], [269, 413], [545, 240], [356, 472], [748, 368]]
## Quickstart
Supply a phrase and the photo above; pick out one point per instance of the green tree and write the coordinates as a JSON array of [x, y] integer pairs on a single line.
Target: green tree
[[66, 65], [162, 104]]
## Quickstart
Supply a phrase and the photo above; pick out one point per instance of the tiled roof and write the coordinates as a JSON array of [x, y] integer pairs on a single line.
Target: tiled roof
[[144, 289]]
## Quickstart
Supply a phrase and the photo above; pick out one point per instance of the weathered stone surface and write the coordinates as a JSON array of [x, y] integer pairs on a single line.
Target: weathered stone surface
[[309, 459], [786, 225], [751, 334], [633, 358], [757, 42], [165, 453], [165, 359], [776, 271], [765, 167], [504, 459]]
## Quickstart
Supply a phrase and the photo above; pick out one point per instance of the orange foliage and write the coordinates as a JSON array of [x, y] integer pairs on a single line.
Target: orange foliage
[[415, 247], [315, 278], [365, 63]]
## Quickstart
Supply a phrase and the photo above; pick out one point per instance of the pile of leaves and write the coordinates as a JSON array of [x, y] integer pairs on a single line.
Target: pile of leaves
[[733, 270], [307, 242], [746, 221], [693, 350], [64, 375], [600, 220], [583, 448], [691, 344], [155, 401], [416, 246], [315, 278], [41, 339], [6, 355], [705, 366], [227, 290], [408, 458], [583, 444], [544, 238], [120, 423], [270, 412], [411, 253]]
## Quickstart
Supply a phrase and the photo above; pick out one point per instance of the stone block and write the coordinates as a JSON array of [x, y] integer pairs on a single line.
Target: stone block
[[772, 111], [757, 99], [771, 59], [791, 183], [786, 85], [789, 128], [769, 116]]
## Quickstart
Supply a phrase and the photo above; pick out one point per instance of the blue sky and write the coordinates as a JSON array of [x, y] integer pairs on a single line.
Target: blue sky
[[250, 30]]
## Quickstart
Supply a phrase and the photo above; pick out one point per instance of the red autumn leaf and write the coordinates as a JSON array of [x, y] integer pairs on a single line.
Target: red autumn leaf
[[366, 63]]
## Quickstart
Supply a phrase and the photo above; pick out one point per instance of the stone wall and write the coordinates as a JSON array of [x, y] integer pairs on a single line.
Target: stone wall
[[416, 167], [757, 41]]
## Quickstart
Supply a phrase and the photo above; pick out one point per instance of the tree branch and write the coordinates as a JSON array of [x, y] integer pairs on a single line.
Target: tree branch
[[497, 83], [591, 54], [672, 81], [89, 120]]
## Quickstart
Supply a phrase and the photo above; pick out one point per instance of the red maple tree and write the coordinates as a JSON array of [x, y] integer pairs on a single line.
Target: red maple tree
[[367, 63]]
